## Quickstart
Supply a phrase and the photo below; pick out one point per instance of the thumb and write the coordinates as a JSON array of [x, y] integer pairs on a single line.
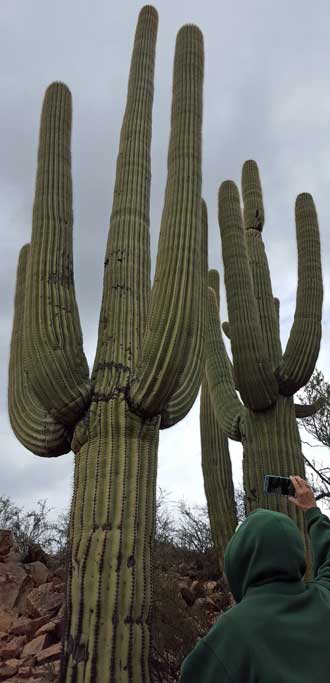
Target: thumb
[[292, 500]]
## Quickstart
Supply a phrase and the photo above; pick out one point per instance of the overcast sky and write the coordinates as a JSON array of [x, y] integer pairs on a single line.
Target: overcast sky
[[266, 97]]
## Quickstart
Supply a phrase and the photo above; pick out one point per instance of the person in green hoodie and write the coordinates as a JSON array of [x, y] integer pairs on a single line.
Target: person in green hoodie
[[279, 629]]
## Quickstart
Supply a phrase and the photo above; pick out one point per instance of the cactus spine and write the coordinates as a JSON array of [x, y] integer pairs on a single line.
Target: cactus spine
[[265, 417], [148, 362]]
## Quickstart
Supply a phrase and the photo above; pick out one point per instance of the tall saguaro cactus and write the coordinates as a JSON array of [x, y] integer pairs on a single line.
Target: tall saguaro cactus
[[148, 363], [265, 420]]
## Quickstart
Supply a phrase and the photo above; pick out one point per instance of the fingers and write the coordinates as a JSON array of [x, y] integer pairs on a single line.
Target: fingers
[[298, 482]]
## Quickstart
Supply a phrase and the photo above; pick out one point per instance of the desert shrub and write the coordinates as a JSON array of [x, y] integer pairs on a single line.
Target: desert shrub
[[31, 528]]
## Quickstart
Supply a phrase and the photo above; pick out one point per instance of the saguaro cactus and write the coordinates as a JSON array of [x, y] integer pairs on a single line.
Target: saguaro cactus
[[216, 464], [265, 420], [148, 362]]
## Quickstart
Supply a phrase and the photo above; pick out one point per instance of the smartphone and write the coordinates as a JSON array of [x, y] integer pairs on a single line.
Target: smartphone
[[282, 486]]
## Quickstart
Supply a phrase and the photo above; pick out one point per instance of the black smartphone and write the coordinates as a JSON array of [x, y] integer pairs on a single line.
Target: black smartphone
[[283, 486]]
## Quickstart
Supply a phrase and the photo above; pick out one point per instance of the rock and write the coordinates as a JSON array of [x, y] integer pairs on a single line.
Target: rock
[[8, 668], [198, 589], [26, 589], [210, 586], [57, 575], [25, 671], [200, 602], [28, 627], [13, 578], [7, 618], [211, 604], [51, 654], [38, 572], [28, 661], [188, 595], [8, 547], [43, 600], [12, 648], [35, 646], [46, 628]]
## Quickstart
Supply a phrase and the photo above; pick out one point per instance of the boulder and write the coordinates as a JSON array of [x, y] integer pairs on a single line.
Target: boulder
[[38, 572], [25, 671], [12, 648], [46, 628], [24, 626], [43, 600], [9, 551], [50, 654], [7, 618], [13, 579], [9, 668], [35, 646]]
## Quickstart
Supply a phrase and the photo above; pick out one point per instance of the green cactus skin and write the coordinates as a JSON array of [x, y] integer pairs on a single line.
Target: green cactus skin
[[33, 425], [216, 465], [265, 421], [148, 365]]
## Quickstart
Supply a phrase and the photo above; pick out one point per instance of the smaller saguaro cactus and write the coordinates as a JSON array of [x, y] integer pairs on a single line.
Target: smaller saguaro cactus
[[264, 420], [216, 464]]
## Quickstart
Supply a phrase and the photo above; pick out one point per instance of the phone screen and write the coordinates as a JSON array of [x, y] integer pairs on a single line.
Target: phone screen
[[280, 485]]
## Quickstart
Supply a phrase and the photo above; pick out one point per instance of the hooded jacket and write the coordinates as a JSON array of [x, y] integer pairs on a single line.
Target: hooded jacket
[[279, 629]]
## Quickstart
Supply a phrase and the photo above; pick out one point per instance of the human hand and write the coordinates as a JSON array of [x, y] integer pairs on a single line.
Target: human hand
[[304, 498]]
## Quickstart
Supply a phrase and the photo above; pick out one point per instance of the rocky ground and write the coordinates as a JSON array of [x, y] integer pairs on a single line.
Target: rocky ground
[[32, 611]]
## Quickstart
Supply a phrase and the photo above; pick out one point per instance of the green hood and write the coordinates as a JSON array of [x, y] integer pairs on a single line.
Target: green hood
[[266, 547]]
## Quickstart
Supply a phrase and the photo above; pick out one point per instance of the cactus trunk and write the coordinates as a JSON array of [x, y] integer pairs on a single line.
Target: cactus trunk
[[109, 581], [271, 445]]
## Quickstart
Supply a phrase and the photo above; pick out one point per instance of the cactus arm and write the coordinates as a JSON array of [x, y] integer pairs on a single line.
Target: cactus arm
[[277, 311], [303, 345], [194, 360], [253, 371], [34, 427], [227, 407], [126, 281], [262, 286], [308, 410], [217, 475], [56, 363], [172, 302]]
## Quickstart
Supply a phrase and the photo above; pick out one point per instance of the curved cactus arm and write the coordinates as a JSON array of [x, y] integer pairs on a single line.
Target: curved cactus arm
[[303, 345], [34, 427], [262, 286], [126, 280], [226, 404], [253, 371], [173, 303], [308, 410], [56, 363], [194, 359]]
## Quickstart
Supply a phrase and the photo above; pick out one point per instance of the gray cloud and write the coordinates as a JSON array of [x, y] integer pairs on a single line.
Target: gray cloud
[[266, 97]]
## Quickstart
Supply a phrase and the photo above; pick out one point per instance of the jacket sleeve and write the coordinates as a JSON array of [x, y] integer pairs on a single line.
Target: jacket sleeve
[[203, 666], [318, 527]]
